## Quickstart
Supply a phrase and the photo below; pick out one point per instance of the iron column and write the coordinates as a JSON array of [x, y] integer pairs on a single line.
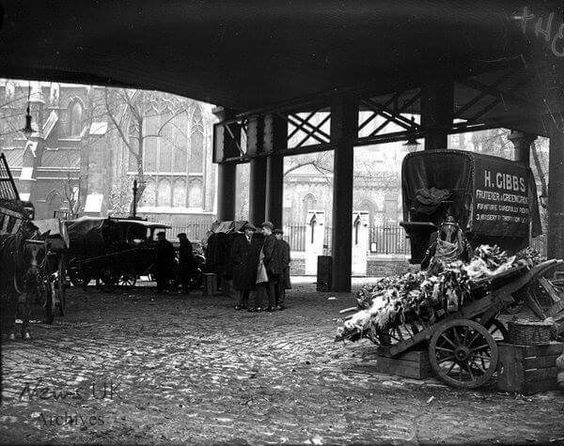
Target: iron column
[[344, 131], [225, 145], [437, 105], [522, 144], [275, 142]]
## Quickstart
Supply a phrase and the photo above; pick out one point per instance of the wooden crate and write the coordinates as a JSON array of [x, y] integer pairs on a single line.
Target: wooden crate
[[528, 369], [412, 364]]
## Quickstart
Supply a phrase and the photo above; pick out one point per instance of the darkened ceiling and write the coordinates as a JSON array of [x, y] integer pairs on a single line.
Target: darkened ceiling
[[249, 54]]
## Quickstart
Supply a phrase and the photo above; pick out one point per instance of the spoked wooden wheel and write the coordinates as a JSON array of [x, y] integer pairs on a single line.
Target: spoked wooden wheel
[[463, 353], [127, 280], [498, 330], [108, 281]]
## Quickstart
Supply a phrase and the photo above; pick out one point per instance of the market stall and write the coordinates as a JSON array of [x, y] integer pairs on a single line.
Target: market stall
[[451, 311]]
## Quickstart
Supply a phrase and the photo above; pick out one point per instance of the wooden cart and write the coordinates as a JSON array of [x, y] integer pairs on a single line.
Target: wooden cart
[[462, 346]]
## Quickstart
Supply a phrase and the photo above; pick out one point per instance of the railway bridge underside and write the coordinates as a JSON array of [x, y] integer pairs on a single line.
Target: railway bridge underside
[[422, 69]]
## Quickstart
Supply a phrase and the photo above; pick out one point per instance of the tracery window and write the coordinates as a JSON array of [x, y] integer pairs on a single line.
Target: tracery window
[[173, 158], [75, 119]]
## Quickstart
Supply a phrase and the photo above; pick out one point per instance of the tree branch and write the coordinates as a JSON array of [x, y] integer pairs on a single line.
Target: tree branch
[[117, 126], [541, 174]]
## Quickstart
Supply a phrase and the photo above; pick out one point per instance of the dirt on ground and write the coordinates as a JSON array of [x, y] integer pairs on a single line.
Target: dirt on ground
[[136, 367]]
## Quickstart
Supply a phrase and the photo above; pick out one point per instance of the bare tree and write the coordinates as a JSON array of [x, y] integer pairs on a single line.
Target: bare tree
[[12, 114], [128, 112], [320, 161], [71, 193]]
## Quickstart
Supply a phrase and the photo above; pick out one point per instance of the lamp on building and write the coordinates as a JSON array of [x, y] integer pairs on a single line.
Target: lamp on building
[[28, 130], [411, 142]]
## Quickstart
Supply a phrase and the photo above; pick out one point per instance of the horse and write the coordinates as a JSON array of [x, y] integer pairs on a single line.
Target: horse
[[22, 272]]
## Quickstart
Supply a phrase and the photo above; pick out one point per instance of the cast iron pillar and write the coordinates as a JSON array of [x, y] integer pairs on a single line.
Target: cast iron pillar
[[344, 132], [556, 196], [257, 180], [226, 172], [275, 143], [437, 112], [522, 144], [257, 190]]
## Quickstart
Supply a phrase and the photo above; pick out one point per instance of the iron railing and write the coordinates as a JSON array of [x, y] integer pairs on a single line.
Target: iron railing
[[382, 239]]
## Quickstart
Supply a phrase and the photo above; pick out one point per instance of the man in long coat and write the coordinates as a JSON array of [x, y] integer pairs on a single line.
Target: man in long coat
[[165, 262], [280, 269], [243, 265], [268, 249], [257, 254], [185, 262]]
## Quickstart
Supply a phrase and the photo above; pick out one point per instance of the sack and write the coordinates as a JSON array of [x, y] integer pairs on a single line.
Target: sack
[[262, 276]]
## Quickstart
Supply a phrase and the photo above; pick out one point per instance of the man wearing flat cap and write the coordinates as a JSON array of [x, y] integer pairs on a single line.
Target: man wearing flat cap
[[280, 269]]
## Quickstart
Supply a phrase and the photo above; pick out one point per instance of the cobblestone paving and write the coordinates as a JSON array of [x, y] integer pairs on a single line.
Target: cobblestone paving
[[135, 367]]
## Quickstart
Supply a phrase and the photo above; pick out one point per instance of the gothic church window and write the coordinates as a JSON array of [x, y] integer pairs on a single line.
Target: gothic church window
[[179, 195], [75, 119], [309, 204], [195, 164], [195, 197], [164, 193]]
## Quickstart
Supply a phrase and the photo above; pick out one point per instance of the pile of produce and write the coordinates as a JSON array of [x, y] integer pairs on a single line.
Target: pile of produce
[[424, 297]]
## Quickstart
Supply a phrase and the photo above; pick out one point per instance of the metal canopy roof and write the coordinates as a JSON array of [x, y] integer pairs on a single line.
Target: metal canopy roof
[[255, 53]]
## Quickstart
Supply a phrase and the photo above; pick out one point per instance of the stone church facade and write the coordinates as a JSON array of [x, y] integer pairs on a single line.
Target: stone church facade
[[77, 162]]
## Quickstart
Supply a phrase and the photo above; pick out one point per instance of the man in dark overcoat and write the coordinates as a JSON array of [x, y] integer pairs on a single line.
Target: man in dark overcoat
[[165, 262], [268, 250], [243, 266], [185, 262], [280, 269], [256, 297]]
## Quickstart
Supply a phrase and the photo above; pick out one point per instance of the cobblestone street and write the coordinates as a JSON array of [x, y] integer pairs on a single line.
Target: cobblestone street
[[135, 367]]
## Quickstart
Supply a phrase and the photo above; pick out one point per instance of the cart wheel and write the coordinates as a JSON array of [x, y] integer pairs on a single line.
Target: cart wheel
[[463, 353], [108, 281], [79, 279], [75, 277], [498, 330], [127, 280]]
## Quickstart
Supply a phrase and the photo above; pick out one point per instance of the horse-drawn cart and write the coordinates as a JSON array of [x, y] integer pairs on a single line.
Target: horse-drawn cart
[[31, 258], [453, 311], [112, 251]]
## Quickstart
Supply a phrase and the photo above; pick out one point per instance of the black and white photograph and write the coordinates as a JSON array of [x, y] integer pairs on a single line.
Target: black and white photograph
[[294, 222]]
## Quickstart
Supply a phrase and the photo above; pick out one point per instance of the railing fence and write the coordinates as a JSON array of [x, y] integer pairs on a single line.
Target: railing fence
[[382, 239]]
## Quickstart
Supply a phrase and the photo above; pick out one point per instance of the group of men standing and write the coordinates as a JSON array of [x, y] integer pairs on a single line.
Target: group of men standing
[[260, 261]]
